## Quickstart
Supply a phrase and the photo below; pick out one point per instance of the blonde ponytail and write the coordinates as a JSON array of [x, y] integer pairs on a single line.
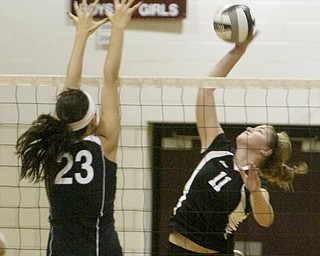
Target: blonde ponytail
[[274, 168]]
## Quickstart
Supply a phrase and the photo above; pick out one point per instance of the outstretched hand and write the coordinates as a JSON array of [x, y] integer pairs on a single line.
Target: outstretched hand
[[251, 180], [83, 18], [123, 11], [240, 48]]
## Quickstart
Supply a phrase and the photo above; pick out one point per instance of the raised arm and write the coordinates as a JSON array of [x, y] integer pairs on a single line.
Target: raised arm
[[109, 126], [85, 26], [206, 115]]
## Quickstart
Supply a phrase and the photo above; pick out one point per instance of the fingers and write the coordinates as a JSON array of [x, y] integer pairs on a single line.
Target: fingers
[[253, 36], [83, 9], [84, 6], [256, 32], [108, 14], [253, 175], [136, 6], [71, 16], [93, 6], [253, 168], [76, 8], [130, 2], [243, 174], [99, 23]]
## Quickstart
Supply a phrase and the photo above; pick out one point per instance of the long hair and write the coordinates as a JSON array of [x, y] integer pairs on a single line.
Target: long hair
[[274, 167], [49, 137]]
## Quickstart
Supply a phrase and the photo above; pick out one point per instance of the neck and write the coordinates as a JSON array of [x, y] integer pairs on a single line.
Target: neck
[[88, 132], [244, 157]]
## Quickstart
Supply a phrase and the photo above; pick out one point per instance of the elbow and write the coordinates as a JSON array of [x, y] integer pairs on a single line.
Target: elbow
[[266, 221], [266, 225]]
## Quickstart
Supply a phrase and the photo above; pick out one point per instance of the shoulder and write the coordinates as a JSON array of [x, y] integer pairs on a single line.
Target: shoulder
[[216, 161], [220, 143], [108, 149], [91, 143], [94, 139], [97, 144]]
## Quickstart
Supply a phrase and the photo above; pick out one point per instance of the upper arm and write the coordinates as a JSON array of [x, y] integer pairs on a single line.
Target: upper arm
[[108, 128]]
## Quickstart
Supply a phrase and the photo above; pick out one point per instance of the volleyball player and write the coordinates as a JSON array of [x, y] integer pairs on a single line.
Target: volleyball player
[[75, 155], [226, 186]]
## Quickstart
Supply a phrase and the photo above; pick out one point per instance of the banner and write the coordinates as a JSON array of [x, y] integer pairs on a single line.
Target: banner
[[148, 9]]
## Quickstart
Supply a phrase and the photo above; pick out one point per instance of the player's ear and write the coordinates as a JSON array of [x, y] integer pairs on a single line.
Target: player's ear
[[266, 151]]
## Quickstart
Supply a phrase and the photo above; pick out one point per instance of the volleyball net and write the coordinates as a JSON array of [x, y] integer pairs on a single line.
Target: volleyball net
[[158, 135]]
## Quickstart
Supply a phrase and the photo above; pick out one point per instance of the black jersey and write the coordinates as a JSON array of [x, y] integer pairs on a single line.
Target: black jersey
[[81, 191], [214, 200]]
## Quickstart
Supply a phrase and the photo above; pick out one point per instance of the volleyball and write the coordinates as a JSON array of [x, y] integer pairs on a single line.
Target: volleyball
[[234, 23]]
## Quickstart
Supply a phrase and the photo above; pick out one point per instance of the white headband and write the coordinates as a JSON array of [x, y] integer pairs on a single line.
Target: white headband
[[78, 125]]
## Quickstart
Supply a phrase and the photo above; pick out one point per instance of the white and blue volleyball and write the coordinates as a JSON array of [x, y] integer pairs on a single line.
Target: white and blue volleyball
[[234, 23]]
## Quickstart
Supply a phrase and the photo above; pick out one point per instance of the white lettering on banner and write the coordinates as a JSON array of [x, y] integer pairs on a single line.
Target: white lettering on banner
[[159, 10], [169, 10], [99, 9], [174, 10]]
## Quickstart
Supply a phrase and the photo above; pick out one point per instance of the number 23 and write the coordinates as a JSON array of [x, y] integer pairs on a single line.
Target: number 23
[[86, 166]]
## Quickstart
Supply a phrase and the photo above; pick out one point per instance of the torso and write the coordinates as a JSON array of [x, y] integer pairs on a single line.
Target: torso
[[81, 192], [214, 202]]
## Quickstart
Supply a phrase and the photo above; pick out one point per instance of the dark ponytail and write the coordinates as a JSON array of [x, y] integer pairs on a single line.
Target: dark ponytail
[[41, 145], [49, 137]]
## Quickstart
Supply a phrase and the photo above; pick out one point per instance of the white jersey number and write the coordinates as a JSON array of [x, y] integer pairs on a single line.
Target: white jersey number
[[216, 183], [78, 177]]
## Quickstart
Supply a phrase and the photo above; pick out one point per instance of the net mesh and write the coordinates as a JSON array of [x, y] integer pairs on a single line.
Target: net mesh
[[146, 101]]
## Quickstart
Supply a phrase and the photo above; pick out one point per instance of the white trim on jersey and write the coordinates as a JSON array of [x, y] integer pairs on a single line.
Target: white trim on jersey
[[93, 138], [51, 240], [236, 168], [102, 202], [237, 215], [98, 237]]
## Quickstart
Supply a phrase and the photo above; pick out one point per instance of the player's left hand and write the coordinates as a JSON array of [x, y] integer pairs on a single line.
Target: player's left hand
[[123, 11], [251, 179]]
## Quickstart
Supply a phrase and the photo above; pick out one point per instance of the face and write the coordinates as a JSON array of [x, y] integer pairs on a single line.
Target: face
[[256, 138]]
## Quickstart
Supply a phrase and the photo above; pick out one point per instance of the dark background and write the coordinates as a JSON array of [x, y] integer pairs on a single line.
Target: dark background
[[296, 228]]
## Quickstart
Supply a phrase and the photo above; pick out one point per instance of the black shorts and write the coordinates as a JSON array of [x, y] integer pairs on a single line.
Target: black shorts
[[80, 241]]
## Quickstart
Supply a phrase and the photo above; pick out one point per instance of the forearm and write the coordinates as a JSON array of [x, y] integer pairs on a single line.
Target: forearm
[[226, 64], [207, 122], [113, 59], [261, 207], [74, 70]]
